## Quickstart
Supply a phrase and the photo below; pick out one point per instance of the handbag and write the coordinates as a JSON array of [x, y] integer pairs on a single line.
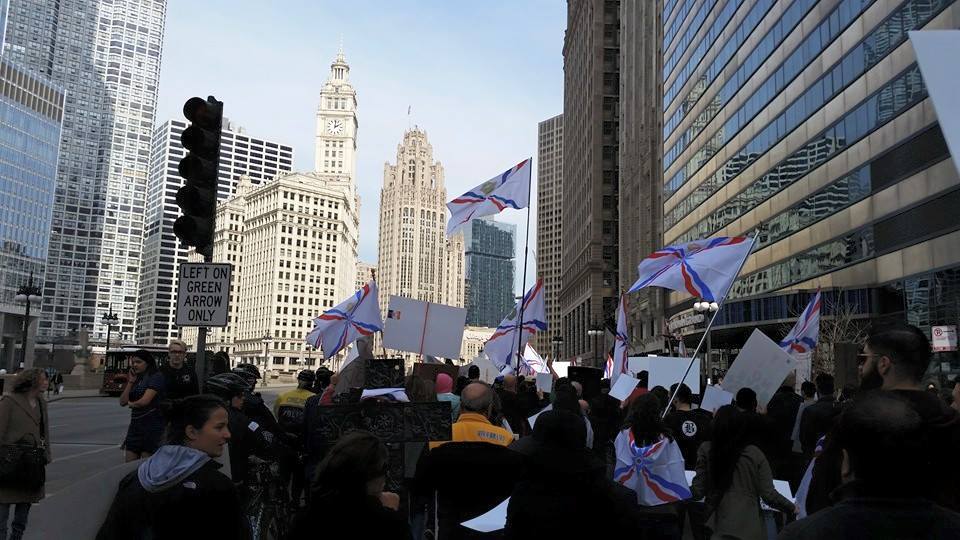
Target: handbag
[[23, 464]]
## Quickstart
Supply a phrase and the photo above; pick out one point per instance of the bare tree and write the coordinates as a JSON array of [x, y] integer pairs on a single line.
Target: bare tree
[[839, 323]]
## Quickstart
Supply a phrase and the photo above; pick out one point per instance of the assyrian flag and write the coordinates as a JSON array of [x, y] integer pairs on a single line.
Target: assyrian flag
[[803, 336], [703, 268], [532, 363], [508, 190], [608, 368], [621, 342], [358, 316], [501, 348], [654, 472]]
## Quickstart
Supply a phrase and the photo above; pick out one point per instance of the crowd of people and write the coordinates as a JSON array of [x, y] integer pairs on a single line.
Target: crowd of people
[[872, 461]]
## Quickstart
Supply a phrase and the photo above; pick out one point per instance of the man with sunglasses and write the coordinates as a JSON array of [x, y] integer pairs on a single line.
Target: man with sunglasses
[[181, 379], [895, 358]]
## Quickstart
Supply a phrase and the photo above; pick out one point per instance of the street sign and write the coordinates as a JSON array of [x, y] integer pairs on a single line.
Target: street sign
[[203, 294], [944, 338]]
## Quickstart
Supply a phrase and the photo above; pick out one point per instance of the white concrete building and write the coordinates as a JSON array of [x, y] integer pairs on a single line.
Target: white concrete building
[[415, 257], [473, 339]]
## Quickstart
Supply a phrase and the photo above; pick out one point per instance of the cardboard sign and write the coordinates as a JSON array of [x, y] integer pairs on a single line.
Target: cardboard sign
[[203, 294], [937, 52], [545, 382], [488, 371], [636, 364], [424, 328], [624, 386], [667, 370], [562, 368], [761, 366], [494, 520], [429, 372], [715, 397]]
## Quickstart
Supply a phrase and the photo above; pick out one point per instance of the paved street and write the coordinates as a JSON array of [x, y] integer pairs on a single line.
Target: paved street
[[86, 433]]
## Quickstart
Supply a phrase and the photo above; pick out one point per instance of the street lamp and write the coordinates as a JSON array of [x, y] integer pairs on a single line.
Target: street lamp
[[110, 319], [557, 344], [266, 363], [596, 332], [28, 294]]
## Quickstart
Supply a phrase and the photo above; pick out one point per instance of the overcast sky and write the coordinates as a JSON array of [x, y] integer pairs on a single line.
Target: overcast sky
[[478, 77]]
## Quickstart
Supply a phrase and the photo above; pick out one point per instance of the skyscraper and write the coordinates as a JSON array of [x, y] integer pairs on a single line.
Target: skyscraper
[[641, 175], [549, 231], [31, 112], [823, 133], [106, 55], [591, 88], [415, 257], [240, 154], [489, 267]]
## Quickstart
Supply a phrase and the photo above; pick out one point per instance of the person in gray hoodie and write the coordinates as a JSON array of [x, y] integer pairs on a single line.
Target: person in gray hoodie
[[179, 493]]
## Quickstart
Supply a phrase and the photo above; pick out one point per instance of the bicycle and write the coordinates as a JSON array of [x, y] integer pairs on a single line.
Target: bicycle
[[269, 507]]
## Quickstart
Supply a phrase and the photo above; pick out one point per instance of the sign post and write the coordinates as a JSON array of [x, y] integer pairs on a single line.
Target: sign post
[[203, 300], [944, 338]]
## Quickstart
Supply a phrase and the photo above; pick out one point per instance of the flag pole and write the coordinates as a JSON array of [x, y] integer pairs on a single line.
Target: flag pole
[[523, 288], [713, 317]]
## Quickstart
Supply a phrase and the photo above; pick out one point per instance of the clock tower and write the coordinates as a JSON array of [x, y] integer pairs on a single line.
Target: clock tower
[[336, 151]]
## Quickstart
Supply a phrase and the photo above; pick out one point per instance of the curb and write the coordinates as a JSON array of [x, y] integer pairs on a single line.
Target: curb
[[59, 398]]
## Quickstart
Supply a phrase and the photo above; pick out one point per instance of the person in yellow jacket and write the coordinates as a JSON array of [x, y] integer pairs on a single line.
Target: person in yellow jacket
[[473, 425], [289, 405]]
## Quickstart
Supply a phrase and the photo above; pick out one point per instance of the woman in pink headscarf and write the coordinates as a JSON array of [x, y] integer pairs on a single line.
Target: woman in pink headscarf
[[444, 389]]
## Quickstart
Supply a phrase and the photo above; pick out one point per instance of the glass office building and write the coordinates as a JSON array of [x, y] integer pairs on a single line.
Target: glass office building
[[812, 119], [489, 257], [31, 114]]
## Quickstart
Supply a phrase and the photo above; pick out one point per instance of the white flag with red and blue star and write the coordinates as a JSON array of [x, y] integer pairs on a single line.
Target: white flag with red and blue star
[[502, 347], [803, 336], [357, 316], [654, 472], [508, 190], [703, 268]]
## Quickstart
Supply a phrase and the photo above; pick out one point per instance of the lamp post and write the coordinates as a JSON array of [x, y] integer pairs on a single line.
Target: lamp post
[[557, 344], [596, 332], [266, 361], [706, 307], [28, 294], [110, 319]]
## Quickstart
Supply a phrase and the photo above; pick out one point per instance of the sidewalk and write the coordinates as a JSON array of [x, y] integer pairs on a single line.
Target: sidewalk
[[72, 394]]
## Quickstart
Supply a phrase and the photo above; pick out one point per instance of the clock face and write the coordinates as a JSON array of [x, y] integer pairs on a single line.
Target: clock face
[[335, 127]]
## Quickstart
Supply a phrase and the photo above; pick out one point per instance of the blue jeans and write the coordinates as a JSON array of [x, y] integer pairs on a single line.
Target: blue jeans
[[19, 520]]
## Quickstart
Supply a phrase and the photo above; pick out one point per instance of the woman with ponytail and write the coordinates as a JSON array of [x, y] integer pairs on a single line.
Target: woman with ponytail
[[178, 492]]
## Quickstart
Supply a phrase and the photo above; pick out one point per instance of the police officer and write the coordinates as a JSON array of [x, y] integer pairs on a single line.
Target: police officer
[[253, 405], [246, 435], [289, 409]]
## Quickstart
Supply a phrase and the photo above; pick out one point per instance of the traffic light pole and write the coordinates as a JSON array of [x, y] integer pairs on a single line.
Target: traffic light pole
[[202, 364]]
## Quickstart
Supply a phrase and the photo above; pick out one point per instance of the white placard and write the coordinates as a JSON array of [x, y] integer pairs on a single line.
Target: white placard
[[203, 294], [636, 364], [944, 338], [561, 368], [667, 370], [761, 366], [423, 327], [937, 52], [715, 397], [488, 371], [494, 520], [545, 382], [804, 368], [624, 386]]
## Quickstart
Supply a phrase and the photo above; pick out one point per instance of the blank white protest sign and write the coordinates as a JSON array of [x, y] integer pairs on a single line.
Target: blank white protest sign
[[424, 327]]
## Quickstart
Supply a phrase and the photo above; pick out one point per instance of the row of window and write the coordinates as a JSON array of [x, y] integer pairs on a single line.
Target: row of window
[[784, 25], [887, 36], [895, 97], [691, 32], [795, 63]]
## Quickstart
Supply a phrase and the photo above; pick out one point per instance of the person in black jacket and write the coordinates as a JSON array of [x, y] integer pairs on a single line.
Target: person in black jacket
[[178, 492], [817, 419], [247, 436], [348, 500], [690, 427], [253, 405], [880, 436], [180, 379], [563, 491]]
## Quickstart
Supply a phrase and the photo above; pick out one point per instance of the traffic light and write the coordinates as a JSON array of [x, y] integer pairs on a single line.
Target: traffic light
[[198, 196]]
